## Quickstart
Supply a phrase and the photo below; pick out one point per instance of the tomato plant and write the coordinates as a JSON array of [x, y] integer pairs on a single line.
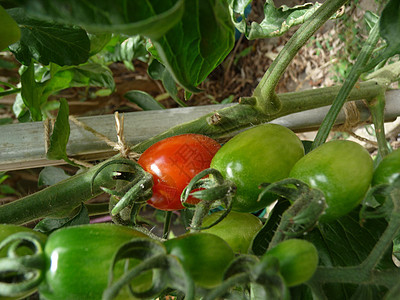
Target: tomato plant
[[298, 260], [182, 42], [265, 153], [173, 162], [205, 256], [342, 170], [237, 229]]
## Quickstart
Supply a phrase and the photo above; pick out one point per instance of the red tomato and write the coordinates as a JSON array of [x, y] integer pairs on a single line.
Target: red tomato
[[173, 162]]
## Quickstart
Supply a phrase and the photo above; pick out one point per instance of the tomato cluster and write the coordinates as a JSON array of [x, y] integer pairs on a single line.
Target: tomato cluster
[[82, 262]]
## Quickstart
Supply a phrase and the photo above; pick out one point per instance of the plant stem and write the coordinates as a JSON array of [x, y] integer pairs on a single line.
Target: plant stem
[[377, 107], [167, 224], [60, 199], [366, 272], [349, 83], [243, 115], [265, 91]]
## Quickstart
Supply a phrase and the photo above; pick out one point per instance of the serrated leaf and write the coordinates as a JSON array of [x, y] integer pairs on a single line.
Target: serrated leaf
[[198, 43], [49, 42], [60, 135], [150, 18], [143, 100], [276, 22], [9, 30], [51, 175]]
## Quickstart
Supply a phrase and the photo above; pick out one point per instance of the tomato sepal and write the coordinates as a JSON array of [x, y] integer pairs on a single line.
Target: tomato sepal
[[308, 204]]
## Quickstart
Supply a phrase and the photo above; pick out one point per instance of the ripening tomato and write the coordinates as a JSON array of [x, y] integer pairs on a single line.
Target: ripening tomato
[[264, 153], [173, 162], [342, 170]]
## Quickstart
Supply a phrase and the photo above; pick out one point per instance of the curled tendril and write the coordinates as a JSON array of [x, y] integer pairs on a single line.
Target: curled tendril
[[21, 274]]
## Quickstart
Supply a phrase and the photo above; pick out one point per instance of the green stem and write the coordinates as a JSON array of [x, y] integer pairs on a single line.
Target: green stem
[[366, 272], [240, 116], [377, 109], [10, 92], [167, 224], [349, 83], [226, 285], [265, 91], [355, 275], [59, 199]]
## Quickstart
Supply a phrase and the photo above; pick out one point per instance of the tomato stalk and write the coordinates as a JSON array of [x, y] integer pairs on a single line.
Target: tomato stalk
[[267, 100], [377, 107], [302, 215], [245, 114], [212, 189], [169, 272], [355, 72]]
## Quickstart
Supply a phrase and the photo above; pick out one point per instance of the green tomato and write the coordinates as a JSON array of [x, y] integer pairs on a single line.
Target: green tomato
[[79, 259], [342, 170], [298, 260], [388, 169], [204, 256], [237, 229], [265, 153]]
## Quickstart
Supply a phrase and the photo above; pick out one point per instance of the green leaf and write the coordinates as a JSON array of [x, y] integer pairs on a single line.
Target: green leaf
[[49, 225], [32, 93], [389, 28], [9, 30], [6, 189], [98, 42], [124, 49], [51, 175], [370, 19], [198, 43], [158, 72], [49, 42], [60, 135], [264, 236], [276, 22], [143, 100], [92, 74], [4, 121], [151, 18], [345, 243]]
